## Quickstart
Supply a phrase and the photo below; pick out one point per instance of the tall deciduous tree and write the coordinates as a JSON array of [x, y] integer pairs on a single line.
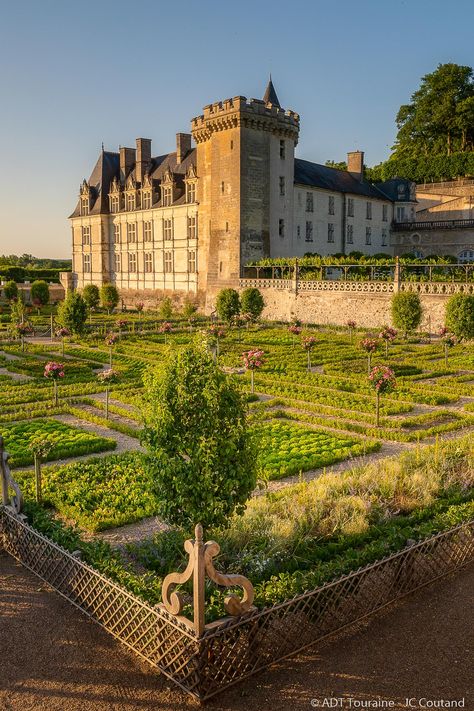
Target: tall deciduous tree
[[227, 304], [109, 296], [72, 312], [91, 296]]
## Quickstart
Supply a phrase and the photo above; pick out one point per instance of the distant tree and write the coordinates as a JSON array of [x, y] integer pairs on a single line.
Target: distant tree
[[40, 292], [189, 308], [166, 308], [109, 297], [201, 452], [10, 290], [91, 296], [252, 302], [72, 312], [460, 315], [227, 304], [406, 311], [341, 165]]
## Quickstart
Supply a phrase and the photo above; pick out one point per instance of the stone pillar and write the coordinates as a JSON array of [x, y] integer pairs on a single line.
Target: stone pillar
[[396, 276]]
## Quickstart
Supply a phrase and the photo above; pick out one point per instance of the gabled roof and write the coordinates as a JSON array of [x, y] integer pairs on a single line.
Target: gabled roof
[[321, 176], [270, 96]]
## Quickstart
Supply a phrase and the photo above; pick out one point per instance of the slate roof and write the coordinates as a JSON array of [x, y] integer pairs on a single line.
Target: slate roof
[[270, 96], [321, 176]]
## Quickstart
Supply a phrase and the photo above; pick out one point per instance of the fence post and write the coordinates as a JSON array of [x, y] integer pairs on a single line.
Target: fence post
[[396, 276], [295, 277], [7, 481]]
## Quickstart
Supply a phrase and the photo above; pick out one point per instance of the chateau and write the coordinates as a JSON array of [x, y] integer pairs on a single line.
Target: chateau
[[231, 192]]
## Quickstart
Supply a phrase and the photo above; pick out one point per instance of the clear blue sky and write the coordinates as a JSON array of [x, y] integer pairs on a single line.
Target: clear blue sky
[[75, 74]]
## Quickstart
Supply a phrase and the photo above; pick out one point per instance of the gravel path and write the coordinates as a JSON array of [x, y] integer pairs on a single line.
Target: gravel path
[[21, 377], [56, 659]]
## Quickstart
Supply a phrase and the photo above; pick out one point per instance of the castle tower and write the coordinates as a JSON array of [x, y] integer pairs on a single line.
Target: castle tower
[[245, 164]]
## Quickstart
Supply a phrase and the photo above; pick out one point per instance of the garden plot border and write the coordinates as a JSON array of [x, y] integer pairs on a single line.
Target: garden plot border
[[232, 649]]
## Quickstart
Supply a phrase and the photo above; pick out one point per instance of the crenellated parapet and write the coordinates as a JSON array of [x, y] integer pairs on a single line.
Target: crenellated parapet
[[249, 113]]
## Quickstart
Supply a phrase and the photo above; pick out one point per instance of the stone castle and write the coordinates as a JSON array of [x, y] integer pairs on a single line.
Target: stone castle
[[187, 222]]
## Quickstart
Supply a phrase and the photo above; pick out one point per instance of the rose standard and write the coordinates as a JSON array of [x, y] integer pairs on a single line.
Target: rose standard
[[107, 377], [382, 379], [40, 447], [308, 343], [388, 335], [23, 329], [351, 326], [295, 330], [110, 341], [62, 333], [253, 360], [369, 345], [165, 328], [54, 371], [215, 334], [448, 341]]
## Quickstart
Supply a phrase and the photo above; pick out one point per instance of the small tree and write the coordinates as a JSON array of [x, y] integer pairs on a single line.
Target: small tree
[[406, 311], [62, 333], [200, 448], [227, 304], [369, 345], [40, 447], [107, 377], [166, 308], [382, 379], [165, 328], [448, 341], [40, 293], [215, 334], [109, 297], [91, 296], [252, 361], [308, 343], [295, 330], [139, 307], [252, 302], [351, 325], [72, 312], [23, 330], [10, 290], [189, 308], [54, 371], [388, 335], [110, 341], [460, 315]]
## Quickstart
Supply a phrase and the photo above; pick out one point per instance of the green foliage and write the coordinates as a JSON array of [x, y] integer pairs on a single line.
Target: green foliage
[[10, 290], [201, 452], [189, 308], [109, 296], [91, 296], [166, 308], [406, 311], [252, 302], [227, 304], [72, 312], [460, 315], [40, 292]]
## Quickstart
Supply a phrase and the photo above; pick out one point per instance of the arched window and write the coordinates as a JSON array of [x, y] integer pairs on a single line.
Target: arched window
[[466, 256]]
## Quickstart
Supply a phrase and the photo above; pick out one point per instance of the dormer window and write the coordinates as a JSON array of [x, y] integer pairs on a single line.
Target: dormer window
[[114, 203], [190, 192], [84, 206], [130, 201], [146, 199], [167, 196]]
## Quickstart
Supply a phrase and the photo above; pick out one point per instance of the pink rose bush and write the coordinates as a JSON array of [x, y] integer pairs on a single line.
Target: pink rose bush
[[253, 360], [165, 327], [54, 371], [107, 377], [111, 339], [308, 343], [382, 379], [369, 345], [388, 335]]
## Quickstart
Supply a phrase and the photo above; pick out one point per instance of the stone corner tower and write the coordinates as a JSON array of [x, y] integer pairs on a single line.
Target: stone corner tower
[[245, 164]]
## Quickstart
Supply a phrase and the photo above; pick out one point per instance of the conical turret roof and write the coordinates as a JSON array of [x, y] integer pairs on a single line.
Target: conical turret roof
[[270, 96]]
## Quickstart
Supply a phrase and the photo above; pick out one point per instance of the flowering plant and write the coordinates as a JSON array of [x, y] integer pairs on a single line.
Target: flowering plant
[[121, 323], [54, 370], [140, 306], [443, 331], [308, 342], [369, 345], [165, 327], [253, 359], [449, 340], [216, 331], [24, 329], [111, 339], [382, 379], [63, 332], [107, 376], [294, 329], [351, 324], [388, 334]]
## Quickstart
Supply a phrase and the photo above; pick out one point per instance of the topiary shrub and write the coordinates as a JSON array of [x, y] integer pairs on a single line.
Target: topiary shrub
[[40, 292], [201, 453], [406, 311], [109, 297], [166, 308], [460, 315], [252, 302], [72, 312], [10, 290], [91, 296], [227, 304]]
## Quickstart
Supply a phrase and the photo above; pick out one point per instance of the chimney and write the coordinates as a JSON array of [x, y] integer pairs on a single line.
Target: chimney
[[355, 164], [143, 158], [127, 160], [183, 146]]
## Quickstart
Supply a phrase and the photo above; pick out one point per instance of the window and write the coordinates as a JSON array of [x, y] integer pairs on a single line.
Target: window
[[192, 227], [368, 235], [222, 188], [168, 229], [132, 262], [350, 207], [350, 234], [300, 199], [130, 201], [146, 200], [282, 149], [84, 206], [131, 232], [281, 228], [384, 236], [309, 231], [368, 211], [400, 214], [331, 205], [226, 226], [309, 202], [116, 234], [168, 262], [385, 213], [86, 263], [330, 232], [86, 235], [147, 232], [167, 196], [192, 261], [114, 203], [190, 192], [232, 145], [298, 231], [117, 263], [148, 262], [466, 256], [282, 184]]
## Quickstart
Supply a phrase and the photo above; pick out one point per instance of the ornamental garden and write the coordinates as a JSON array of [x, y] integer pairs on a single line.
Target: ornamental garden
[[306, 452]]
